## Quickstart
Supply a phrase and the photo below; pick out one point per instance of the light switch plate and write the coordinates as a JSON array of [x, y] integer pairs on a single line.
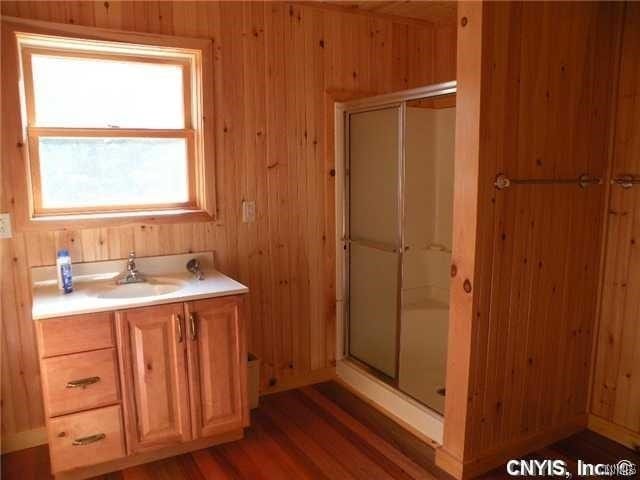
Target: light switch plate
[[248, 211], [5, 225]]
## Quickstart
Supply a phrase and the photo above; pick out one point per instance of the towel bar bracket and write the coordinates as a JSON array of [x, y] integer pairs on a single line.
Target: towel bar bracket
[[626, 181]]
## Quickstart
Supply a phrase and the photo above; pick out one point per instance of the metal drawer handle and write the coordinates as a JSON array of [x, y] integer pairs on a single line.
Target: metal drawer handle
[[192, 326], [83, 382], [90, 439]]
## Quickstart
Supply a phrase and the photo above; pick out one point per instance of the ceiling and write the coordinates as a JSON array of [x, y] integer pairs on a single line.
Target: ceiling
[[432, 11]]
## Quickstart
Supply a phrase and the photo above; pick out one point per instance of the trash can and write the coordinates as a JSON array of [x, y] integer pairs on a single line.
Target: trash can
[[253, 380]]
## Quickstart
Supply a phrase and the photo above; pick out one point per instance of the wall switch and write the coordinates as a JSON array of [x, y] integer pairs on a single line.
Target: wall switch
[[5, 225], [248, 211]]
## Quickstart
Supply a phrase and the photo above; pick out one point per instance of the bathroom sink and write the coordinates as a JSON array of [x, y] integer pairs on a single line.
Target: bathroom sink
[[151, 288]]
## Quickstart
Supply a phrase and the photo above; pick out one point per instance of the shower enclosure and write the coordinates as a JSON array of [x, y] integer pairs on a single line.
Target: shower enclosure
[[397, 212]]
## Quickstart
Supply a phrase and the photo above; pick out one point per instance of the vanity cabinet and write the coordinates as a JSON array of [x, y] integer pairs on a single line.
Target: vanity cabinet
[[81, 390], [215, 377], [154, 376], [81, 381], [86, 438], [127, 387]]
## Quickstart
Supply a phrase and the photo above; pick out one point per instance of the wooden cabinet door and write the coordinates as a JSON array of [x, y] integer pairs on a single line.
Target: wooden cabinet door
[[153, 362], [217, 365]]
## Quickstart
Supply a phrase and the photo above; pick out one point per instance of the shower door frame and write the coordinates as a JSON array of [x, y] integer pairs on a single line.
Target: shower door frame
[[343, 111]]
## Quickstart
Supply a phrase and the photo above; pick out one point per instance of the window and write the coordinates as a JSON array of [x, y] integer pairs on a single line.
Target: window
[[112, 127]]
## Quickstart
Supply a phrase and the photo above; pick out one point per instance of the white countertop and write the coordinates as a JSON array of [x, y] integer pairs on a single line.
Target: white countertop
[[50, 302]]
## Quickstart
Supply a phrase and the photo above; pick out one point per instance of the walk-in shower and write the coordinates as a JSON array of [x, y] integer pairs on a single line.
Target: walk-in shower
[[396, 205]]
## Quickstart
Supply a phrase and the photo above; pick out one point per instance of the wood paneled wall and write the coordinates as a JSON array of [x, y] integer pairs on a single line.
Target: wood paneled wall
[[520, 345], [275, 64], [616, 384]]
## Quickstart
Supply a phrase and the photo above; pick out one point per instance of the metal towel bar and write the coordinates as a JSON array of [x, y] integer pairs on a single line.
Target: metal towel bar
[[584, 180]]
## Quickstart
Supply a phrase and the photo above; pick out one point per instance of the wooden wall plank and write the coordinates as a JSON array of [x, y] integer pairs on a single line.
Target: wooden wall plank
[[274, 63], [21, 396], [616, 381], [533, 256], [463, 260]]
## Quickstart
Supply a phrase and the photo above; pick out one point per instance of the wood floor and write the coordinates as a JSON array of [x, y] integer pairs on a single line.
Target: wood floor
[[319, 432]]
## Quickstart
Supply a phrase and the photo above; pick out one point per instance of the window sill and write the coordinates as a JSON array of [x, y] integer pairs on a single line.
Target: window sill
[[98, 220]]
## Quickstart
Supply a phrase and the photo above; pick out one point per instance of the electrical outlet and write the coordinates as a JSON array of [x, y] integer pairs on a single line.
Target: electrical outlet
[[248, 211], [5, 225]]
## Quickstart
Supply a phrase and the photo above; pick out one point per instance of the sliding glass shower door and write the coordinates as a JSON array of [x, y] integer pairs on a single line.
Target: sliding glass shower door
[[398, 227], [374, 237]]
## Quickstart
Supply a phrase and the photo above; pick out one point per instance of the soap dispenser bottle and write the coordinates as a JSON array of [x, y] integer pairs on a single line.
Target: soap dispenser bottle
[[63, 264]]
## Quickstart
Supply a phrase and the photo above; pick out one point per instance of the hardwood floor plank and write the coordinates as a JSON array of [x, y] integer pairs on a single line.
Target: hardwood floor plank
[[242, 464], [113, 476], [254, 447], [168, 469], [140, 472], [404, 441], [221, 460], [291, 447], [210, 468], [279, 446], [615, 450], [372, 441], [322, 432], [596, 449], [351, 457], [190, 468], [306, 441]]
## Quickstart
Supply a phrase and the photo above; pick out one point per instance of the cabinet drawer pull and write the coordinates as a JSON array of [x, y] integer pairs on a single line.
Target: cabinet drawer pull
[[90, 439], [83, 382], [179, 320], [192, 326]]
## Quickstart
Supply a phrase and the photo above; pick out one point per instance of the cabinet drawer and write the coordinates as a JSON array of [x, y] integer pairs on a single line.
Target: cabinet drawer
[[86, 438], [81, 333], [80, 381]]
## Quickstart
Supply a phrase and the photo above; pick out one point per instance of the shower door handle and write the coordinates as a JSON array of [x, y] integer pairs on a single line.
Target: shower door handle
[[385, 247]]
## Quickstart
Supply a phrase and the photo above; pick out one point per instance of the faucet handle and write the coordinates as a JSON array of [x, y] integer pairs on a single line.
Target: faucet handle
[[193, 266], [132, 255]]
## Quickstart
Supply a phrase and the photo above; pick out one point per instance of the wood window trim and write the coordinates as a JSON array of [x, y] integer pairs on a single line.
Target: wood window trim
[[192, 53]]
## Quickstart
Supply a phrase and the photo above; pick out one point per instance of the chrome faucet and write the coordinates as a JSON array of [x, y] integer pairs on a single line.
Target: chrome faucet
[[131, 275], [193, 266]]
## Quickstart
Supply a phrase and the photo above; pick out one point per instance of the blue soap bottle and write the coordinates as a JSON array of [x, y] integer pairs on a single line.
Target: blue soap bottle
[[63, 264]]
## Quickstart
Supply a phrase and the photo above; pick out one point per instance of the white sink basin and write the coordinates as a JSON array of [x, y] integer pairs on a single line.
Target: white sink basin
[[151, 288]]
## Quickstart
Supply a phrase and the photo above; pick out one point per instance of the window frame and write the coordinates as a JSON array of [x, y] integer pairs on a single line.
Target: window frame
[[194, 55]]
